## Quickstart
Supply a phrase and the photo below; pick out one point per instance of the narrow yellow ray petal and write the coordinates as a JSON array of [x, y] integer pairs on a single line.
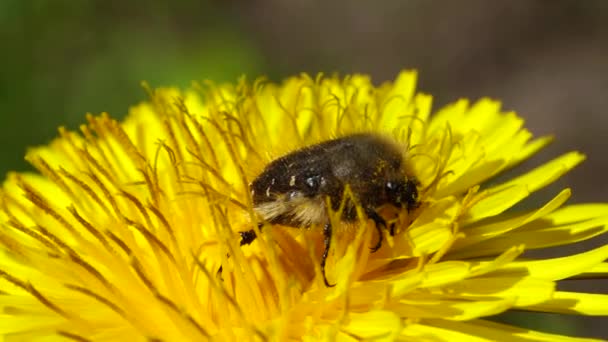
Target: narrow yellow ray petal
[[482, 330], [398, 100], [497, 140], [451, 309], [548, 236], [576, 303], [429, 238], [471, 177], [13, 324], [571, 214], [546, 173], [481, 267], [526, 291], [485, 113], [530, 149], [445, 273], [501, 225], [496, 201], [599, 271], [377, 325], [558, 268], [406, 284], [454, 112], [432, 229]]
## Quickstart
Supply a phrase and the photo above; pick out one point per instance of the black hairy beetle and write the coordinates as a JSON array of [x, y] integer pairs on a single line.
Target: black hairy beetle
[[292, 190]]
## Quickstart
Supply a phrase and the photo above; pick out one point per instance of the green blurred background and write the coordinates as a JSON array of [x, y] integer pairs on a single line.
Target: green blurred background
[[546, 59]]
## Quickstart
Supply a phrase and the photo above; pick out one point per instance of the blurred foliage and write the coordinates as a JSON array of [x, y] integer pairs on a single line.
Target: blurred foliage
[[63, 59]]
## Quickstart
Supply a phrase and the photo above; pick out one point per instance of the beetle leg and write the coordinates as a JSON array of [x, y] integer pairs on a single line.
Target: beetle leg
[[380, 223], [327, 242], [218, 274], [248, 236]]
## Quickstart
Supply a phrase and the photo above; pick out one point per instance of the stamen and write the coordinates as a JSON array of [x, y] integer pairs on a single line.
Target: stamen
[[140, 207], [90, 228], [137, 266], [172, 138], [35, 235], [182, 313], [87, 292], [243, 135], [125, 248], [89, 191], [208, 168], [49, 172], [152, 239], [152, 185], [42, 203], [32, 290], [92, 161], [91, 270], [238, 162], [97, 143], [292, 120], [73, 336], [164, 222], [123, 139], [106, 194], [210, 150]]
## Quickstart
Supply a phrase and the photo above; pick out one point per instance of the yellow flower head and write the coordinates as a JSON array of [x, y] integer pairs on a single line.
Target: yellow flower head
[[131, 230]]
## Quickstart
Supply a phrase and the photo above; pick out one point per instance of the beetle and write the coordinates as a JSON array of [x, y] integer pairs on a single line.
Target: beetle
[[292, 190]]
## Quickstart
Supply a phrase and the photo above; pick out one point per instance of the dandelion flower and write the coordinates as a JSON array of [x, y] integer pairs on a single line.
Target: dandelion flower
[[130, 230]]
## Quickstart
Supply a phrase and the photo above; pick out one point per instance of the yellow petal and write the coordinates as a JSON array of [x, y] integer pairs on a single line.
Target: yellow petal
[[481, 330], [539, 234], [501, 225], [398, 100], [476, 174], [376, 325], [577, 303], [547, 173], [496, 201], [529, 149], [598, 271], [454, 112], [558, 268], [408, 282], [448, 308], [572, 214], [429, 238], [431, 230], [526, 291], [445, 273], [481, 267]]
